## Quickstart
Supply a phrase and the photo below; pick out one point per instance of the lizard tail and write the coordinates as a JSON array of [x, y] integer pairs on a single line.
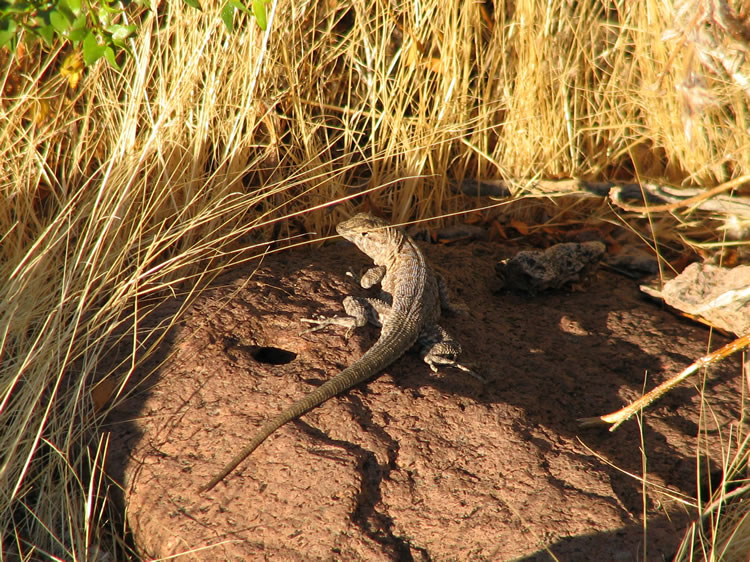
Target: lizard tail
[[389, 347]]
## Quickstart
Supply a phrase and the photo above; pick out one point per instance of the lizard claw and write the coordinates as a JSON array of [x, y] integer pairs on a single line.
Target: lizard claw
[[321, 323], [470, 372], [345, 321], [453, 363]]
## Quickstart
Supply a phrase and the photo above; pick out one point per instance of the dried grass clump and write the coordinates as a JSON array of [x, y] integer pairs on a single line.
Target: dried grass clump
[[142, 183], [722, 528]]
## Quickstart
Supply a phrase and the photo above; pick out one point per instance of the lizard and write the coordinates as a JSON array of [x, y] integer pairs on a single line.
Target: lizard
[[407, 311]]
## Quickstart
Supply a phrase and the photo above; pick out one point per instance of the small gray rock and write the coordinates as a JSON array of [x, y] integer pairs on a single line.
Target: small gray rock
[[533, 271]]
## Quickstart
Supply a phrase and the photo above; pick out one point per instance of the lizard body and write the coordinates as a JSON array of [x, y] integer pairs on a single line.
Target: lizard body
[[408, 313]]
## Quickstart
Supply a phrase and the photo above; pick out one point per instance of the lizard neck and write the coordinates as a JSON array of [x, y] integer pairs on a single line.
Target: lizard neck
[[399, 245]]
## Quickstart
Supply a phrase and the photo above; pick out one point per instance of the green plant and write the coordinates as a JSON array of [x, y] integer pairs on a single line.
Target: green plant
[[99, 27], [227, 12]]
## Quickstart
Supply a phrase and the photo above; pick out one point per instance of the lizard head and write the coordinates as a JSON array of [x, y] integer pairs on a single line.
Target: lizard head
[[374, 236]]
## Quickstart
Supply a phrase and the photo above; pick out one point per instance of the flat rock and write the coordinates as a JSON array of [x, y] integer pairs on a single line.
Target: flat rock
[[413, 465], [719, 295]]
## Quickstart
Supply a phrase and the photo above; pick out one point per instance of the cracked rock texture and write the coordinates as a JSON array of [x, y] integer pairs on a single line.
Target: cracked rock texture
[[413, 465]]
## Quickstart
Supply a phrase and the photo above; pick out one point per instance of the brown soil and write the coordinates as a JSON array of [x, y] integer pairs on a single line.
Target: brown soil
[[414, 465]]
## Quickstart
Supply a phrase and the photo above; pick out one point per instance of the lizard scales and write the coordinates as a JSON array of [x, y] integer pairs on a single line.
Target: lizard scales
[[408, 312]]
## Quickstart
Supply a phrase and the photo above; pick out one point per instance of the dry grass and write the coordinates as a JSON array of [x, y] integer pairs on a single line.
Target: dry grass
[[145, 182]]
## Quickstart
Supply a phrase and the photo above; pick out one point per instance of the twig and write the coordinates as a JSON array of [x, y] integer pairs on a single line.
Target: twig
[[726, 186], [666, 198], [618, 417]]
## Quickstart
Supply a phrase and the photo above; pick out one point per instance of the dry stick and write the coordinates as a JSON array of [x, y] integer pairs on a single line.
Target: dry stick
[[616, 418], [614, 191], [726, 186]]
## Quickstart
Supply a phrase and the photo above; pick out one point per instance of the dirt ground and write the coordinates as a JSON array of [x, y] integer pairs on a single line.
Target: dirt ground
[[414, 465]]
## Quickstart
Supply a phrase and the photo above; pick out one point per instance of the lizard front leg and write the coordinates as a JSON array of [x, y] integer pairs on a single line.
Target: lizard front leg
[[371, 277], [359, 312]]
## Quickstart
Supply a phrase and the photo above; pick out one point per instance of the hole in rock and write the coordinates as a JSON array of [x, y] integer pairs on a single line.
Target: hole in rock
[[273, 355]]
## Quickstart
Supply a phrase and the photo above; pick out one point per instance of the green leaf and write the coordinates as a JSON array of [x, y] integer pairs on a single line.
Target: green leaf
[[60, 21], [92, 50], [120, 32], [109, 54], [81, 22], [73, 5], [193, 4], [227, 16], [114, 9], [79, 29], [259, 10], [237, 5], [7, 33], [77, 35], [47, 33], [103, 15], [18, 8]]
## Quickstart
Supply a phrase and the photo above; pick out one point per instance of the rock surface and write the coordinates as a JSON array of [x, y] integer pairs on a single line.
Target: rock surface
[[414, 465], [719, 295]]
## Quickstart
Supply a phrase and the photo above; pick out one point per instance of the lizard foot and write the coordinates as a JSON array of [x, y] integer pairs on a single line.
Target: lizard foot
[[346, 321], [466, 370], [471, 373], [434, 361]]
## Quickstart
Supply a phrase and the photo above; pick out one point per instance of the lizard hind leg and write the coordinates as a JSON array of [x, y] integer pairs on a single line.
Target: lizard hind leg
[[438, 349]]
